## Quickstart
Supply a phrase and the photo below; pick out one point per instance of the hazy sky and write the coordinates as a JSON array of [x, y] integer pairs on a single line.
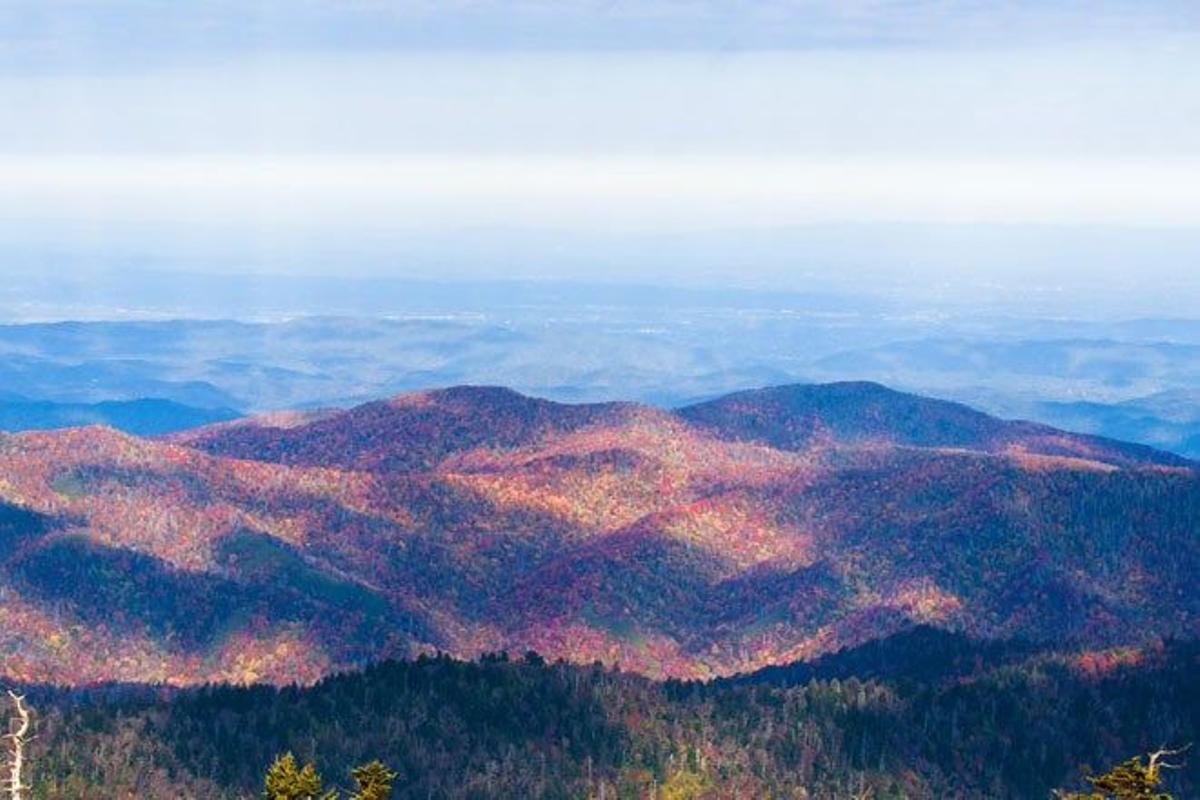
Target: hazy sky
[[252, 135]]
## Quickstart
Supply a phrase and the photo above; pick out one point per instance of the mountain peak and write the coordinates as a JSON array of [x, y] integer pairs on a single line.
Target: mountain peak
[[461, 393], [791, 416], [798, 416], [411, 431]]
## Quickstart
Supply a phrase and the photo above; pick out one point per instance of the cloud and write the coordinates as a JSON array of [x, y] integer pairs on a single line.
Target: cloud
[[351, 195], [282, 128], [1080, 101]]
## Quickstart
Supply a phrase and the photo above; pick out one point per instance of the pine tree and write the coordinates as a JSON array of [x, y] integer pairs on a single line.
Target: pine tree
[[372, 781], [1129, 780], [284, 781]]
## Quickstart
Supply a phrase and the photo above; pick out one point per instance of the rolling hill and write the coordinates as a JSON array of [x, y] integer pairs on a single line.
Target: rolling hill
[[756, 529]]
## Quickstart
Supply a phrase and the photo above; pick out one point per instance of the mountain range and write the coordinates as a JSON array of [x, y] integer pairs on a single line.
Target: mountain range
[[144, 416], [1130, 380], [758, 528]]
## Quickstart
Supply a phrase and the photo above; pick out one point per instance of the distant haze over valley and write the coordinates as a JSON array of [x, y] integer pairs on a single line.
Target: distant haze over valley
[[216, 345]]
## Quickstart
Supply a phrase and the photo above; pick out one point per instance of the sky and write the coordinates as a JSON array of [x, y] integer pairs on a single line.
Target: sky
[[1046, 141]]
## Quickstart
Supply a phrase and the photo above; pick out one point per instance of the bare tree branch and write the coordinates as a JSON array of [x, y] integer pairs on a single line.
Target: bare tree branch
[[14, 784], [1162, 752]]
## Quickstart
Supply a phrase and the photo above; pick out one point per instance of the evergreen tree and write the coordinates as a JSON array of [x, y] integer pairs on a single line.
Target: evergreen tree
[[284, 781], [1129, 780], [372, 781]]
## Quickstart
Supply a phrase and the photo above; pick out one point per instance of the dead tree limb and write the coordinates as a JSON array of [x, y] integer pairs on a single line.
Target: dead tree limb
[[14, 785], [1156, 762]]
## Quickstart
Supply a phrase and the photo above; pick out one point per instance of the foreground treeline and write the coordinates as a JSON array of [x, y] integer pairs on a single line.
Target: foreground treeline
[[522, 728]]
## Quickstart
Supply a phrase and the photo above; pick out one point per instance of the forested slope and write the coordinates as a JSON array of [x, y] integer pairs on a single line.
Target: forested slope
[[526, 729], [759, 529]]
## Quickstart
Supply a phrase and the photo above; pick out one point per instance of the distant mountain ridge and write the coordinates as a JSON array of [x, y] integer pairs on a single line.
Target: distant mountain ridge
[[1133, 381], [792, 417], [759, 528], [1170, 421], [412, 431], [144, 417], [441, 422]]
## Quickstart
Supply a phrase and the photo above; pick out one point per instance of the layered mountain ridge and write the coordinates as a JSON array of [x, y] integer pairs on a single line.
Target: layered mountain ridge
[[759, 528]]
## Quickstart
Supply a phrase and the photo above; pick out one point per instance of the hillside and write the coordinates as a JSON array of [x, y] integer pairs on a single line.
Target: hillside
[[758, 529], [406, 433], [999, 725], [796, 417]]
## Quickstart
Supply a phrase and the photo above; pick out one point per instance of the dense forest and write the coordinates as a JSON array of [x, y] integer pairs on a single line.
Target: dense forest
[[192, 580], [993, 722], [760, 529]]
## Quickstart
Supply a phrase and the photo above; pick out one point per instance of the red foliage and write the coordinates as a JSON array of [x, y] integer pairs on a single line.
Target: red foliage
[[724, 538]]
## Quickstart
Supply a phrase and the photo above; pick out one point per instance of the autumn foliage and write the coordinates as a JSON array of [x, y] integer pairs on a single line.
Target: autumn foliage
[[757, 529]]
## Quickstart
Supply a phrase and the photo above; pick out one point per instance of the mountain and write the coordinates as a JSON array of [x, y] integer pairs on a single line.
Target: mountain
[[145, 417], [1120, 364], [795, 417], [1132, 381], [1169, 422], [755, 529], [922, 653], [410, 432]]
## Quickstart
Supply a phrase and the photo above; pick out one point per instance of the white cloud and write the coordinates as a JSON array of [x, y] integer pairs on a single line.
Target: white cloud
[[616, 193], [1094, 101], [276, 128]]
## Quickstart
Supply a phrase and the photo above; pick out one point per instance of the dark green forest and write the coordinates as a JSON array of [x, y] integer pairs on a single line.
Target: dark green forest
[[985, 721]]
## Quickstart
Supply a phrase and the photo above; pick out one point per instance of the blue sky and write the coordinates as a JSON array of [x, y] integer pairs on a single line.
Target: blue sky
[[41, 32], [250, 135]]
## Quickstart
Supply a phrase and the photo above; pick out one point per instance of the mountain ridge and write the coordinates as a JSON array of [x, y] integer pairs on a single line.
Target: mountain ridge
[[866, 407], [760, 528], [148, 416]]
